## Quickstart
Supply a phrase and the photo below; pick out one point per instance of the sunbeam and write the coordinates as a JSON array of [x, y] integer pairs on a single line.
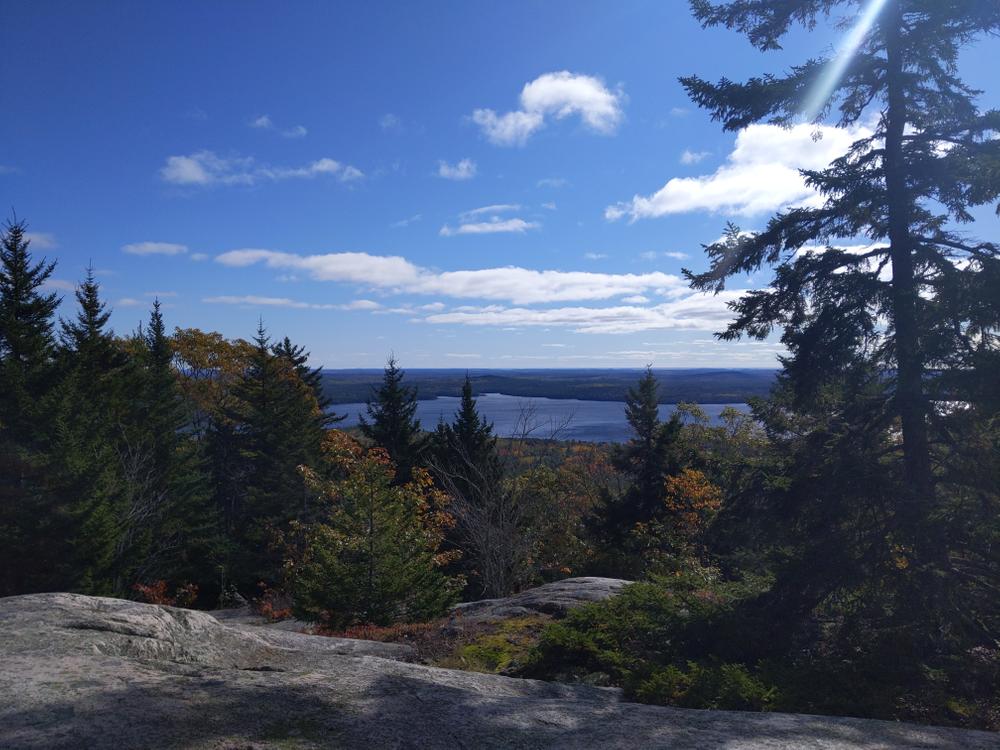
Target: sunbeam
[[836, 67]]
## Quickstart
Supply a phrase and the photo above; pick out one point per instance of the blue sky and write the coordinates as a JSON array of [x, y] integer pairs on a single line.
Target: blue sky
[[465, 184]]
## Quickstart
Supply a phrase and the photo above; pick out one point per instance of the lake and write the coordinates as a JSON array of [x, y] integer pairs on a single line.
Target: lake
[[564, 419]]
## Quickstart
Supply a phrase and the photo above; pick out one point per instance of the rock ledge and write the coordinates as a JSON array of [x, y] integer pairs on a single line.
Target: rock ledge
[[79, 671]]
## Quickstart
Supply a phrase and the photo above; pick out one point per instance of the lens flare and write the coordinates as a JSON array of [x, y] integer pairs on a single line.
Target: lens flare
[[835, 68]]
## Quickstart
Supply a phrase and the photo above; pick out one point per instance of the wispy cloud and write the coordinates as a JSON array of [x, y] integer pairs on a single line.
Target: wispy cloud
[[390, 123], [61, 284], [395, 274], [552, 182], [693, 157], [129, 302], [406, 222], [41, 240], [702, 312], [206, 168], [154, 248], [496, 208], [264, 122], [760, 175], [554, 95], [595, 256], [463, 170], [495, 225]]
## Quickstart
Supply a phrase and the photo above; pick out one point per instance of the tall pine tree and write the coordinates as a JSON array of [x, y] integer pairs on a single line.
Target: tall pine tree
[[905, 189], [648, 458], [27, 350], [391, 421]]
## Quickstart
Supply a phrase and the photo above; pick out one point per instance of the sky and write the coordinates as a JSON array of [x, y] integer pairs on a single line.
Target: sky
[[465, 184]]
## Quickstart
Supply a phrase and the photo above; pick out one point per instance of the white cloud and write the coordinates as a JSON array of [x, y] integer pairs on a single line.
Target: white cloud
[[390, 123], [513, 128], [497, 208], [703, 312], [595, 256], [552, 182], [207, 168], [264, 122], [557, 95], [496, 225], [760, 175], [636, 299], [513, 284], [130, 302], [679, 111], [693, 157], [549, 205], [653, 255], [350, 174], [408, 221], [41, 240], [362, 304], [154, 248], [60, 284], [253, 300], [464, 170]]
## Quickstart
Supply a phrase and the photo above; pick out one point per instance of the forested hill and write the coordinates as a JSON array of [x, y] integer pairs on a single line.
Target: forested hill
[[705, 385]]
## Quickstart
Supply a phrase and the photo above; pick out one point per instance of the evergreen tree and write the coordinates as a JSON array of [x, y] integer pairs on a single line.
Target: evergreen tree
[[298, 357], [391, 421], [373, 555], [466, 450], [648, 458], [867, 505], [27, 344], [27, 350], [931, 156], [274, 426], [92, 419], [167, 477]]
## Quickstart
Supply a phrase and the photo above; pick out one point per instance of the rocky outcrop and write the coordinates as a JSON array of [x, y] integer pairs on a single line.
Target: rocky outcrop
[[87, 672], [554, 599]]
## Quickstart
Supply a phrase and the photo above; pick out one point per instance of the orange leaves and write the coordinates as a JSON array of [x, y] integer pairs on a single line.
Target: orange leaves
[[185, 594], [692, 501]]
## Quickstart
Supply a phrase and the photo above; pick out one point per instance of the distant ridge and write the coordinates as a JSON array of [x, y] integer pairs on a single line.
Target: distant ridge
[[704, 385]]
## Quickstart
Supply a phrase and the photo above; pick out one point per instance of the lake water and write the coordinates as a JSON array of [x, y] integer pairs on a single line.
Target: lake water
[[564, 419]]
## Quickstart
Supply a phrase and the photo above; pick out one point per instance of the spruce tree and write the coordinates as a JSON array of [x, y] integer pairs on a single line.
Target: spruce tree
[[275, 426], [93, 414], [298, 357], [890, 313], [169, 471], [905, 189], [465, 451], [391, 421], [27, 349], [373, 555], [27, 343], [648, 458]]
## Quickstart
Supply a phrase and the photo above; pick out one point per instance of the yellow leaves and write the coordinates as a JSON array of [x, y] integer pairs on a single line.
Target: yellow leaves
[[691, 500]]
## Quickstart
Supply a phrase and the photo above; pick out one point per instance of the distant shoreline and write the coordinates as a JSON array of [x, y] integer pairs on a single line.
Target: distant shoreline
[[677, 385]]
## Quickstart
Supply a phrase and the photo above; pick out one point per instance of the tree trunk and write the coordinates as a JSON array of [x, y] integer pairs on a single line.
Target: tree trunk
[[910, 401]]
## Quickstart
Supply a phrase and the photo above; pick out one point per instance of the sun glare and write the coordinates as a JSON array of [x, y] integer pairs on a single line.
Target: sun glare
[[836, 67]]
